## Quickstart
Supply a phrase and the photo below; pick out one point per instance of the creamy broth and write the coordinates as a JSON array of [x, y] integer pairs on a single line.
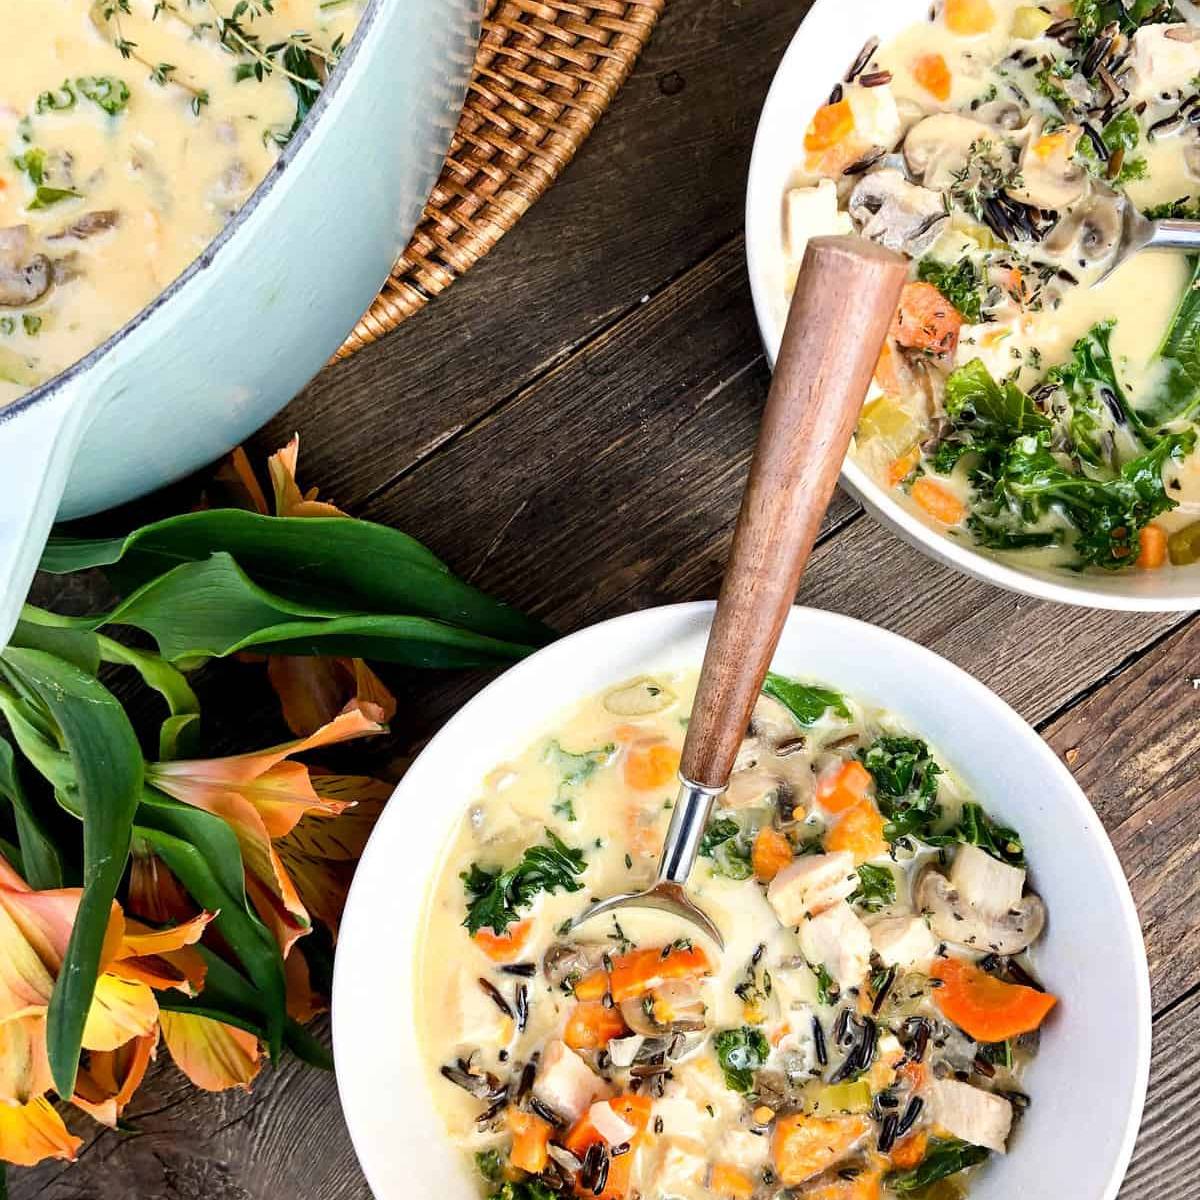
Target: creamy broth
[[131, 132], [973, 143], [838, 949]]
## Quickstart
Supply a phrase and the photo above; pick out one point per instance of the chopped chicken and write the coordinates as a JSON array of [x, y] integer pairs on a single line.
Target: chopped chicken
[[681, 1168], [478, 1023], [985, 882], [811, 884], [812, 212], [614, 1129], [566, 1084], [903, 941], [970, 1113], [840, 942], [1165, 59]]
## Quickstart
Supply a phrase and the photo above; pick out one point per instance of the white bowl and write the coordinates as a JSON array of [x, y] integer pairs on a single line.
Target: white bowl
[[1089, 1081], [824, 46]]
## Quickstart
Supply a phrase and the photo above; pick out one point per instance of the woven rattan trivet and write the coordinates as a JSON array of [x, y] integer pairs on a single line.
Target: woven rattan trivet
[[545, 72]]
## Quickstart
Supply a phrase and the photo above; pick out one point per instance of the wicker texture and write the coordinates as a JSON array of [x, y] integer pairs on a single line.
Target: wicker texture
[[545, 72]]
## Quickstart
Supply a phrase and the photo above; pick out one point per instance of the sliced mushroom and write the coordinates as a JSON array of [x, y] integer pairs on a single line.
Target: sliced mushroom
[[1090, 233], [899, 215], [88, 225], [1051, 177], [670, 1009], [1006, 115], [563, 961], [953, 918], [773, 764], [938, 148], [25, 277], [639, 698]]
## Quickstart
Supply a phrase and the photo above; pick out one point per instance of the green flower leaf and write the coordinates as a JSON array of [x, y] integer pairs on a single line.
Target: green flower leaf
[[94, 731], [213, 609], [179, 734], [206, 882], [40, 864], [339, 564]]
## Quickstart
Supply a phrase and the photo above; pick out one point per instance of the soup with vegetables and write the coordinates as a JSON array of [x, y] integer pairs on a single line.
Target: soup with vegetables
[[1030, 399], [131, 131], [863, 1033]]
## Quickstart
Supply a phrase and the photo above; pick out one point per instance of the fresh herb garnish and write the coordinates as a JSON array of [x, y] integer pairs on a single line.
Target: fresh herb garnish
[[998, 1054], [806, 702], [496, 896], [574, 770], [876, 888], [490, 1165], [106, 91], [827, 990], [945, 1157], [56, 100], [741, 1052], [906, 785], [1120, 137]]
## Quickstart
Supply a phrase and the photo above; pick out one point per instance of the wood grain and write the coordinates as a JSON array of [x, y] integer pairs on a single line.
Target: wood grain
[[816, 393]]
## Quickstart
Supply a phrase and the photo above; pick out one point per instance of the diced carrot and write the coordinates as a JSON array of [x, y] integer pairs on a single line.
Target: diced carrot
[[649, 767], [771, 853], [830, 124], [845, 787], [728, 1183], [504, 947], [530, 1137], [984, 1007], [887, 370], [926, 320], [1153, 552], [635, 1110], [593, 986], [909, 1151], [916, 1073], [641, 971], [591, 1026], [969, 17], [932, 73], [903, 467], [864, 1186], [1054, 145], [860, 831], [803, 1146], [938, 501]]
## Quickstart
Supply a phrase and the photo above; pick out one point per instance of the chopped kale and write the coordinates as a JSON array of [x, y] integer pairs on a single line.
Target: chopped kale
[[976, 828], [945, 1157], [876, 888], [741, 1052], [496, 896], [807, 703], [728, 846], [961, 283], [906, 786]]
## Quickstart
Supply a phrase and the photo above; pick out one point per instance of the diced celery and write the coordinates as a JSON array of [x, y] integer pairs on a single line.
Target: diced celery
[[1183, 546], [844, 1097], [1030, 22]]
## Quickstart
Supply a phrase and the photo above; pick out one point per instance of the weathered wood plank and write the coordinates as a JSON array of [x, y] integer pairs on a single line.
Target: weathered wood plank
[[1133, 746], [1166, 1163], [659, 185]]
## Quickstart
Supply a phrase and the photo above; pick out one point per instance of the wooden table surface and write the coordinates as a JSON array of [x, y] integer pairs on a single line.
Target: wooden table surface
[[569, 427]]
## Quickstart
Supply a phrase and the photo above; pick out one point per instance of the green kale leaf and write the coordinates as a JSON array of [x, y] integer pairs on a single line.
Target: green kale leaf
[[808, 704], [741, 1052], [725, 843], [945, 1157], [961, 283], [906, 786], [497, 896], [876, 888]]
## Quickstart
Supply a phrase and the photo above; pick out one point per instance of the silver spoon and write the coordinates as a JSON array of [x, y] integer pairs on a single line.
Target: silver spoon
[[846, 295], [1139, 233]]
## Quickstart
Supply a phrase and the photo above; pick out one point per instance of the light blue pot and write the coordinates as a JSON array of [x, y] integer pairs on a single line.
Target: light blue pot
[[252, 320]]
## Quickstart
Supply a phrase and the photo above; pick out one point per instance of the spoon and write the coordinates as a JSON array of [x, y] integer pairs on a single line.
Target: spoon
[[1139, 233], [846, 295]]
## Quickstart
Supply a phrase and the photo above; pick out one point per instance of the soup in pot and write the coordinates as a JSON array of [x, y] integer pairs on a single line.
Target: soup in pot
[[862, 1035], [131, 131]]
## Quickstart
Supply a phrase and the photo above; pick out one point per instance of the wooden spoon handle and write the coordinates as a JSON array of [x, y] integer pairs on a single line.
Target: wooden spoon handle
[[845, 299]]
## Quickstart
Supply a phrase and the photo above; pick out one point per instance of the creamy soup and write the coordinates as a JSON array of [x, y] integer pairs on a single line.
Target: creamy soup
[[864, 1031], [131, 131], [1030, 399]]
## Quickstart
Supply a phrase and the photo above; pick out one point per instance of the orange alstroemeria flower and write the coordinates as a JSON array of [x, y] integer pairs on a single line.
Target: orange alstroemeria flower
[[213, 1055], [262, 796], [312, 689], [34, 930]]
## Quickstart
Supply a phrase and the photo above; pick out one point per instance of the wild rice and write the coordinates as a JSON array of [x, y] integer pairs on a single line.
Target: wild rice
[[864, 57], [493, 993], [523, 969]]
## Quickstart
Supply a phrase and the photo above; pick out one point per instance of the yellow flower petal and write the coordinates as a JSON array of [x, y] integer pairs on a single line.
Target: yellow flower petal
[[33, 1132], [302, 1002], [121, 1009], [108, 1079], [25, 983], [212, 1055], [154, 892], [24, 1067], [236, 484], [141, 940]]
